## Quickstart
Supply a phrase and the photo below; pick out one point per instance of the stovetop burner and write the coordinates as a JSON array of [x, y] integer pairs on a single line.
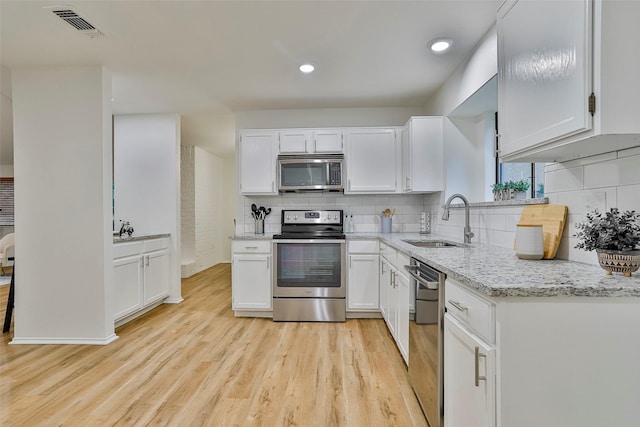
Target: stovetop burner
[[311, 224]]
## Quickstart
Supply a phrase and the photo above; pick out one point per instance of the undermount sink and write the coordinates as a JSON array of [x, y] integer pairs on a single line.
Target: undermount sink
[[431, 243]]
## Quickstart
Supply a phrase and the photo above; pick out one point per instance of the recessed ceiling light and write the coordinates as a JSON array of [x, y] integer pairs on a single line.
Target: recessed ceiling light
[[440, 45], [307, 68]]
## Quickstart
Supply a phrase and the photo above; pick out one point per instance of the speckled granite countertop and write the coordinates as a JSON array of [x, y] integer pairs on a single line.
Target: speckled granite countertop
[[497, 272], [137, 238], [252, 236]]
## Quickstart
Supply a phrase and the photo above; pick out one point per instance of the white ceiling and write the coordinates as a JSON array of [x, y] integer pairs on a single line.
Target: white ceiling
[[210, 59]]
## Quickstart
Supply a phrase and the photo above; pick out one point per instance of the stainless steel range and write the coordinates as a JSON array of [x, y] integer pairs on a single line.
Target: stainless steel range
[[309, 277]]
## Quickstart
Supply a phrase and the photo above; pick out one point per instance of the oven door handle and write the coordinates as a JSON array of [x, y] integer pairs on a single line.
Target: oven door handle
[[429, 285]]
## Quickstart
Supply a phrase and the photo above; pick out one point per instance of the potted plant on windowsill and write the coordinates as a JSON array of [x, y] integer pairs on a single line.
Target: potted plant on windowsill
[[614, 236], [520, 188]]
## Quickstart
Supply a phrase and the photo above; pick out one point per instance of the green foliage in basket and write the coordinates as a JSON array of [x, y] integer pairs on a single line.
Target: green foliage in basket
[[521, 185], [611, 230]]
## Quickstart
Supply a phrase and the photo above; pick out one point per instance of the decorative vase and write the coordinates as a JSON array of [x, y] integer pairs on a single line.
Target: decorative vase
[[625, 262]]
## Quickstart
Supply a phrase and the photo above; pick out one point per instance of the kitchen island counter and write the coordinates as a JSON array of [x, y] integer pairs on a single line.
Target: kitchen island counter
[[139, 238]]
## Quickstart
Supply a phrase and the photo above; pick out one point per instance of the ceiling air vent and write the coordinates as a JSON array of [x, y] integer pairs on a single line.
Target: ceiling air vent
[[77, 22]]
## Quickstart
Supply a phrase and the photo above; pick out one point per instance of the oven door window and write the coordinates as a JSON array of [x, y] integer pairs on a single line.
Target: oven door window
[[303, 174], [309, 265]]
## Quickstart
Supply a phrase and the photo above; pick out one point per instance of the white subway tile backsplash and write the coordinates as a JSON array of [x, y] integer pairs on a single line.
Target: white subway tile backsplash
[[589, 160], [628, 197], [623, 171], [564, 179]]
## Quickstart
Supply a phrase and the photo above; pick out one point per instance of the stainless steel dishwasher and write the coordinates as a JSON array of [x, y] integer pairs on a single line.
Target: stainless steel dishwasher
[[425, 341]]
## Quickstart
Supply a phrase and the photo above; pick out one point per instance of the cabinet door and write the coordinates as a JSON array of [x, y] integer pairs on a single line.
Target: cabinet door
[[402, 313], [295, 141], [469, 400], [371, 161], [127, 285], [406, 157], [328, 141], [385, 278], [392, 302], [544, 71], [363, 283], [251, 282], [422, 155], [258, 153], [156, 276]]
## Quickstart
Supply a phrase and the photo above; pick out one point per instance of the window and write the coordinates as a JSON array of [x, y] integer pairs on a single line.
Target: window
[[533, 173]]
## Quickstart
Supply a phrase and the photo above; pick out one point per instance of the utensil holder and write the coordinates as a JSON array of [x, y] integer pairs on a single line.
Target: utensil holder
[[529, 242], [259, 226], [385, 224]]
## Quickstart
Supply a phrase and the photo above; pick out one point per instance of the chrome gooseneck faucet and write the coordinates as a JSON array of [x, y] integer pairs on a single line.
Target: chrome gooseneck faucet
[[445, 215]]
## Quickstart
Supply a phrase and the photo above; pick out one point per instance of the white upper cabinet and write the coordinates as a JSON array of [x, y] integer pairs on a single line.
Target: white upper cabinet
[[328, 141], [422, 158], [372, 157], [295, 141], [309, 141], [258, 155], [552, 56]]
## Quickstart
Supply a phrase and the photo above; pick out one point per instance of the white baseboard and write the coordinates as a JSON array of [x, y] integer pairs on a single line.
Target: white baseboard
[[71, 341]]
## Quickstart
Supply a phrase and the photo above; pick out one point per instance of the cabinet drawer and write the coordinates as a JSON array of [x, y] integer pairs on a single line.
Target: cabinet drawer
[[155, 244], [390, 253], [121, 250], [470, 309], [362, 246], [252, 246], [402, 259]]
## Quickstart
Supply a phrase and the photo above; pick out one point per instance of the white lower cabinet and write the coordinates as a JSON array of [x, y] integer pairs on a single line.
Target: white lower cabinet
[[540, 361], [395, 296], [127, 292], [363, 280], [156, 270], [140, 277], [469, 378], [251, 276], [469, 358]]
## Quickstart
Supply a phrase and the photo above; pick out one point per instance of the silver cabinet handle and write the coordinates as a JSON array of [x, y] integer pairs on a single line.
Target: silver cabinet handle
[[478, 378], [268, 262], [349, 184], [457, 305], [251, 247], [273, 186]]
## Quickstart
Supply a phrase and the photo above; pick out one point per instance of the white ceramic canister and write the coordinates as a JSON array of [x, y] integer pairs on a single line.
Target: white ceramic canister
[[529, 242]]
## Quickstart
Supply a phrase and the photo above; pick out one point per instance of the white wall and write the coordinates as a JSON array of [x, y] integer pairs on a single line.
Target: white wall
[[62, 145], [187, 210], [6, 123], [464, 99], [207, 218], [146, 151], [326, 117]]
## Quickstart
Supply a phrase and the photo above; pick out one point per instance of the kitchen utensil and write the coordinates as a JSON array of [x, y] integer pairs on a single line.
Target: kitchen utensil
[[393, 212], [387, 212]]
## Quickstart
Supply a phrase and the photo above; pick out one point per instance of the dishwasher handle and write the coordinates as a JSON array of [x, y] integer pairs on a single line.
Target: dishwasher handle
[[429, 285]]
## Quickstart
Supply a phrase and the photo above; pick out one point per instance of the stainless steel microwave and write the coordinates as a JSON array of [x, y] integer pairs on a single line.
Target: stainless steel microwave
[[310, 173]]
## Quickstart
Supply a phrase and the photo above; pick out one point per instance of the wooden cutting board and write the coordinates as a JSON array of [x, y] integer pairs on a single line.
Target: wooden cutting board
[[552, 218]]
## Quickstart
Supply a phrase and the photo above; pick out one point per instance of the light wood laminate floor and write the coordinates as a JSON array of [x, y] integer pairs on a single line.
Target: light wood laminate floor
[[194, 364]]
